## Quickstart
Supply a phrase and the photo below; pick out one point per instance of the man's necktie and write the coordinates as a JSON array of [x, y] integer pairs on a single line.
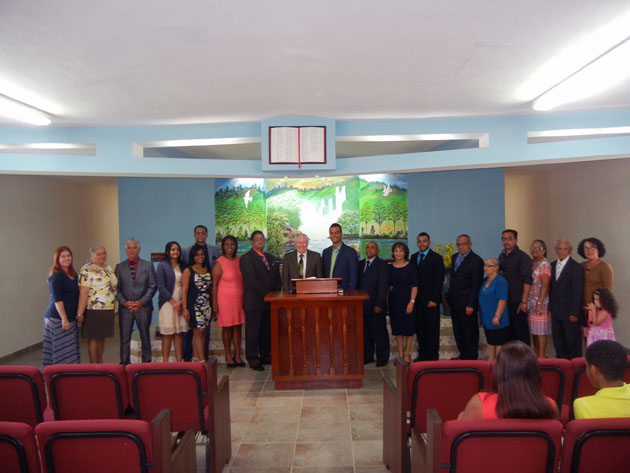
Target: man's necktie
[[367, 265], [301, 266], [420, 259], [265, 261], [333, 260]]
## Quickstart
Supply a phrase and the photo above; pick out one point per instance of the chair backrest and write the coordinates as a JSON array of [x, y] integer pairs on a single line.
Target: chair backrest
[[443, 385], [97, 446], [22, 395], [596, 445], [556, 379], [90, 391], [514, 445], [18, 452], [180, 387]]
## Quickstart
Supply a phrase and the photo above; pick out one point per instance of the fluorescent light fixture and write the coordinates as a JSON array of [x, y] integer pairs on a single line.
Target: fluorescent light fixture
[[573, 58], [9, 108], [601, 74]]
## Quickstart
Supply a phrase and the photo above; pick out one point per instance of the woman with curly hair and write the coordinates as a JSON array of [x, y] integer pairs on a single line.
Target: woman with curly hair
[[597, 273], [517, 390], [600, 314]]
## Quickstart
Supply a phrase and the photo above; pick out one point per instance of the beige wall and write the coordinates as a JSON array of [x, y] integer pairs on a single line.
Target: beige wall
[[38, 214], [576, 201]]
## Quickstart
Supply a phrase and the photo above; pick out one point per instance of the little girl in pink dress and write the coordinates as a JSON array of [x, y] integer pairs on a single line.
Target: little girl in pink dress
[[600, 314]]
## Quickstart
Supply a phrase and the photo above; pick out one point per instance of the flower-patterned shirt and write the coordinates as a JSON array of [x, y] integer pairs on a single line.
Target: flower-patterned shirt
[[102, 284]]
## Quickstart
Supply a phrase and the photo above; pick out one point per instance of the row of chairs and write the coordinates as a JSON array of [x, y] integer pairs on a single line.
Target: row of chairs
[[192, 391], [520, 446], [97, 446], [448, 385]]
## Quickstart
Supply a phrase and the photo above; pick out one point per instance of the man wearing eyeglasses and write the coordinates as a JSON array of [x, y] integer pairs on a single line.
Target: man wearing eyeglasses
[[260, 276], [462, 297], [516, 268], [565, 302]]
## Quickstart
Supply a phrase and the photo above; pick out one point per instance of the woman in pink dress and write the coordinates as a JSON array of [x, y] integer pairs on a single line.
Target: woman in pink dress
[[538, 299], [227, 299]]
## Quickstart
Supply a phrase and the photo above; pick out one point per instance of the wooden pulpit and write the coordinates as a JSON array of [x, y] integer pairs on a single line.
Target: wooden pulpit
[[317, 339]]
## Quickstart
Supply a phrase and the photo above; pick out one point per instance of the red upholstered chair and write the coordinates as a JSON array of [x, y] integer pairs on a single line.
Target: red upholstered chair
[[197, 401], [557, 380], [18, 452], [443, 385], [596, 445], [22, 395], [89, 391], [486, 446], [114, 445]]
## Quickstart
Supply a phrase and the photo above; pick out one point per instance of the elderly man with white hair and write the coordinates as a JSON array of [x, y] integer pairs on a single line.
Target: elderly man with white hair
[[136, 287], [301, 263]]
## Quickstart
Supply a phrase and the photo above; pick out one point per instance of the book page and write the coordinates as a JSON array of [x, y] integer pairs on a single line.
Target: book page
[[312, 144], [283, 145]]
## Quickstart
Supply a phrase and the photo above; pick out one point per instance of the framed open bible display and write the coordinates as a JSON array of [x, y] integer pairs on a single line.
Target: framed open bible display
[[297, 145]]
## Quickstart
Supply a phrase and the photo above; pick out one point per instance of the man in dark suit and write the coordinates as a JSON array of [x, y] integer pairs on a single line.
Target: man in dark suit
[[565, 302], [260, 276], [373, 279], [136, 287], [200, 233], [340, 260], [301, 263], [430, 268], [462, 297]]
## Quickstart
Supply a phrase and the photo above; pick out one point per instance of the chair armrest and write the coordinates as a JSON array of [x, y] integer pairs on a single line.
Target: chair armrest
[[184, 455]]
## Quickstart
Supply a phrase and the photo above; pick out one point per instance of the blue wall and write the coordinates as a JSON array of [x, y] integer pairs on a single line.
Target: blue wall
[[444, 204], [448, 203], [157, 210]]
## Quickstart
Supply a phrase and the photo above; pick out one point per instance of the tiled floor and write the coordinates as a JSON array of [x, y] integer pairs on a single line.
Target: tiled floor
[[292, 431]]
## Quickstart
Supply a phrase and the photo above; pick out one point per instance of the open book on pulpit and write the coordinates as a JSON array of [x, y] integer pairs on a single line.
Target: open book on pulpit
[[297, 145]]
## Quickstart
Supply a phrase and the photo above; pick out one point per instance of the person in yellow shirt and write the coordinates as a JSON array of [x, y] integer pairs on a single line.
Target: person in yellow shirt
[[606, 363]]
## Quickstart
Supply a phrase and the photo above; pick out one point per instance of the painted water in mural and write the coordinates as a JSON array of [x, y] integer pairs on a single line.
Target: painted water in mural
[[370, 207]]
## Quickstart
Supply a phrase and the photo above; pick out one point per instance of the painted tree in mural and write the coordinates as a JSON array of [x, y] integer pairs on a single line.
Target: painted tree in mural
[[349, 221], [397, 212], [276, 222], [366, 215], [379, 214]]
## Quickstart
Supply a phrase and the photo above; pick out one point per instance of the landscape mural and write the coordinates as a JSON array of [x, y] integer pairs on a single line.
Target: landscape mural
[[369, 207]]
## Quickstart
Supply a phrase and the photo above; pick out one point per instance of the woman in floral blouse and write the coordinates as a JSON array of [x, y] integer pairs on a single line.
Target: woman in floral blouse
[[97, 298]]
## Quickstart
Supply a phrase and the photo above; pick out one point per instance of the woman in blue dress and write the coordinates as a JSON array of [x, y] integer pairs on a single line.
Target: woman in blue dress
[[61, 339], [493, 307], [403, 283]]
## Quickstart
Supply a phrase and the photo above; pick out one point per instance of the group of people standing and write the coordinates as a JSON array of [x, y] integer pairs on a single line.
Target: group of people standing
[[523, 296], [519, 296]]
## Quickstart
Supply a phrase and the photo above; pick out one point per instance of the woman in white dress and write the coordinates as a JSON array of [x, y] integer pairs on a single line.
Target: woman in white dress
[[171, 315]]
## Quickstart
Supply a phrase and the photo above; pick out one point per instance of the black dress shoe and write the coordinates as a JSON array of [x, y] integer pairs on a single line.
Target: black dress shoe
[[257, 368], [231, 365], [381, 363], [240, 364]]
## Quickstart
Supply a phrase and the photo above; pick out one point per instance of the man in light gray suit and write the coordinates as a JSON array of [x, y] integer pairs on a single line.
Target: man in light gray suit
[[301, 263], [136, 287]]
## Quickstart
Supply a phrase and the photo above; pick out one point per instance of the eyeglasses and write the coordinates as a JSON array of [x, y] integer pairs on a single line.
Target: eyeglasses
[[589, 248], [537, 248]]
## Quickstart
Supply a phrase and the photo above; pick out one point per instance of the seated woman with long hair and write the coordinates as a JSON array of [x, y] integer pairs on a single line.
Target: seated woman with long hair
[[517, 393]]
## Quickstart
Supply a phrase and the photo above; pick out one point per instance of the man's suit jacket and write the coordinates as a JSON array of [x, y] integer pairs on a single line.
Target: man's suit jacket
[[374, 281], [430, 277], [465, 281], [345, 265], [257, 280], [565, 295], [140, 289], [291, 268]]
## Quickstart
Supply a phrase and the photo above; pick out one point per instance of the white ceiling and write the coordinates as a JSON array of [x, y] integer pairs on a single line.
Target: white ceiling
[[142, 62]]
